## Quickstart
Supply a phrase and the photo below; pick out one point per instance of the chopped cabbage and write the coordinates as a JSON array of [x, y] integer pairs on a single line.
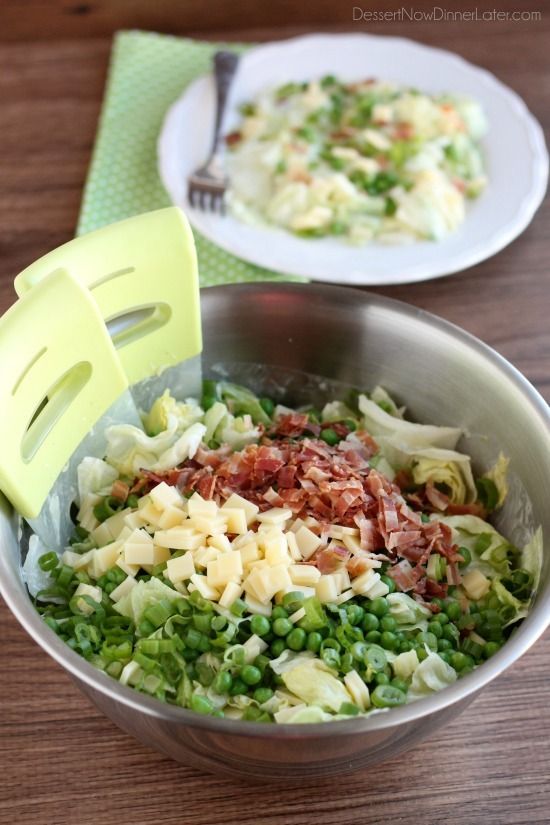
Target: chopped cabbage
[[409, 614], [167, 414], [380, 423], [499, 476], [129, 449], [435, 465], [313, 683], [431, 675]]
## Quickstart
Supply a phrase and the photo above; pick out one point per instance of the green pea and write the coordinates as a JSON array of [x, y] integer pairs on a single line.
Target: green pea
[[459, 660], [446, 655], [251, 675], [453, 611], [260, 625], [282, 626], [436, 629], [200, 704], [370, 622], [296, 639], [279, 613], [400, 684], [314, 641], [373, 636], [355, 614], [444, 644], [442, 618], [262, 694], [490, 649], [389, 582], [277, 647], [329, 436], [388, 623], [405, 646], [223, 681], [350, 424], [388, 640], [379, 607]]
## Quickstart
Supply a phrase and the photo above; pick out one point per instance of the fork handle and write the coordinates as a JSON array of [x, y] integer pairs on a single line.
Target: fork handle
[[225, 66]]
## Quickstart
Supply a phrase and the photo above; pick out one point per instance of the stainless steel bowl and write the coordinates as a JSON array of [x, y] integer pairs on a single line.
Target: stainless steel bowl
[[444, 376]]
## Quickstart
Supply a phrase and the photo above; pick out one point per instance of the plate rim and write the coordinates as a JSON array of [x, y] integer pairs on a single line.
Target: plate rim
[[461, 261]]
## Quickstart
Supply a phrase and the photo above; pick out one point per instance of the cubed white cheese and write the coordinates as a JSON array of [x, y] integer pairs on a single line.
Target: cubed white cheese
[[163, 496], [254, 606], [475, 584], [205, 554], [208, 525], [276, 549], [353, 544], [206, 591], [171, 517], [179, 538], [327, 589], [101, 535], [106, 557], [198, 506], [123, 589], [293, 548], [307, 542], [304, 574], [133, 519], [235, 501], [227, 567], [232, 591], [276, 515], [220, 542], [236, 519], [180, 568], [150, 513], [264, 582], [139, 548], [249, 553], [344, 597]]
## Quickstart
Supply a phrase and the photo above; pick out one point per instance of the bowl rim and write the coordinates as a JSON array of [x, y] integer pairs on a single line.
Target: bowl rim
[[532, 627]]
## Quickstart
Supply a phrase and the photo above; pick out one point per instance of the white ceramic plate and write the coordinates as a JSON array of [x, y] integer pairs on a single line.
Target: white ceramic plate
[[514, 148]]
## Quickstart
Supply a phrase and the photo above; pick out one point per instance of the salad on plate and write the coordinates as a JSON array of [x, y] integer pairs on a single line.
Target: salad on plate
[[251, 561], [363, 161]]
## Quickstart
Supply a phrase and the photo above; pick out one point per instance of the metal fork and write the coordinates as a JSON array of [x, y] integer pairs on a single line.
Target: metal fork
[[207, 185]]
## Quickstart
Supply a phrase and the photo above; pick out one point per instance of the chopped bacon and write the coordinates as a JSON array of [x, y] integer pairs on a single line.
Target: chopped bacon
[[232, 138], [211, 458], [357, 565], [206, 486], [273, 498], [453, 576], [436, 589], [331, 558], [437, 499], [285, 477], [404, 575], [403, 131], [290, 425], [474, 509], [369, 533], [120, 490]]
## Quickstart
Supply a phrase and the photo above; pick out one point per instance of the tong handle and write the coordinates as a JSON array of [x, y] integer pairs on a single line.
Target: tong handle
[[60, 373]]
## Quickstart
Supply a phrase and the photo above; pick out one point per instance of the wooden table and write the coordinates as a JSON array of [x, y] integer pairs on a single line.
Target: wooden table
[[60, 760]]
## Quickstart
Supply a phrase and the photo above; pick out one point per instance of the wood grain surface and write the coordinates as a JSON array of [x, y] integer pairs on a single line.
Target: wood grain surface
[[63, 763]]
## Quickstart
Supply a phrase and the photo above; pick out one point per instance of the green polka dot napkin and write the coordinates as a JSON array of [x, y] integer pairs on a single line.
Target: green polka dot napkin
[[148, 72]]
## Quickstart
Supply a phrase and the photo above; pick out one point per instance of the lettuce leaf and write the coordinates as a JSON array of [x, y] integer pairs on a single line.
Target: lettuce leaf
[[129, 449], [499, 476], [531, 556], [167, 413], [380, 423], [490, 551], [408, 614], [431, 675], [142, 596], [435, 465], [313, 683]]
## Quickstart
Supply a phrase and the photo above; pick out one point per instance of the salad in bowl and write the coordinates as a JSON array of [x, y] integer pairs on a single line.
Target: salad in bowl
[[252, 561]]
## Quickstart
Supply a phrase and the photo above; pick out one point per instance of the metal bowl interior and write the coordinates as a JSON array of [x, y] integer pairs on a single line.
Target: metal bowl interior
[[278, 339]]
